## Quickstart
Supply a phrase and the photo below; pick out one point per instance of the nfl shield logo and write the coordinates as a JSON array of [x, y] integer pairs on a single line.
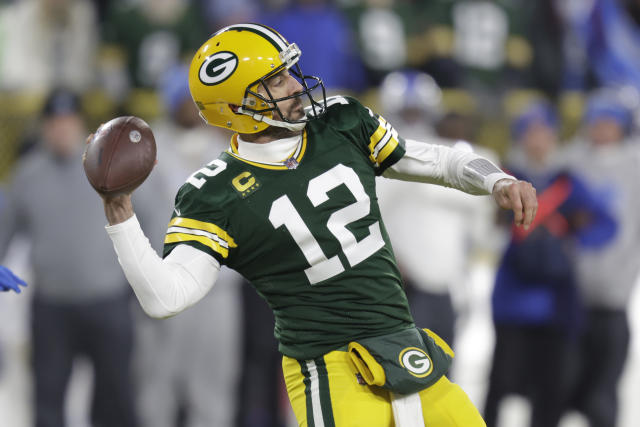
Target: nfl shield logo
[[291, 163]]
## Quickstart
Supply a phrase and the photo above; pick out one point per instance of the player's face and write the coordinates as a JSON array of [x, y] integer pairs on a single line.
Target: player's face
[[281, 85], [63, 133], [605, 131], [539, 141]]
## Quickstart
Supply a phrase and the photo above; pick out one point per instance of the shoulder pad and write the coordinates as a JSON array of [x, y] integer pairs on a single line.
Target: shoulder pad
[[343, 112], [337, 102]]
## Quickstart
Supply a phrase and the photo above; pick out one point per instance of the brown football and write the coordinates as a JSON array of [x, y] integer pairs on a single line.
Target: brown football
[[120, 156]]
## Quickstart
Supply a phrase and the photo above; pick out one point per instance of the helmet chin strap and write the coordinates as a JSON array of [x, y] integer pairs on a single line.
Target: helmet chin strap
[[271, 122]]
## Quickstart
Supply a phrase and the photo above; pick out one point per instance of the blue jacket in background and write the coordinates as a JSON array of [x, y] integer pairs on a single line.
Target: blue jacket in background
[[535, 282], [328, 46]]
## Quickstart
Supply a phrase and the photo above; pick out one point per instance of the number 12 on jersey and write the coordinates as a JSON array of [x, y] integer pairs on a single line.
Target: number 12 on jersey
[[283, 213]]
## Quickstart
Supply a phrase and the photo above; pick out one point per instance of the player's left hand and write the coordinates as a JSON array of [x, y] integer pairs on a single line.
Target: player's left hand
[[518, 196], [9, 281]]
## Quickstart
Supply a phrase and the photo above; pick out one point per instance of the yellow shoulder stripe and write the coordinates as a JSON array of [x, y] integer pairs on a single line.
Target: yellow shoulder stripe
[[378, 134], [383, 141], [206, 226], [181, 237], [388, 149]]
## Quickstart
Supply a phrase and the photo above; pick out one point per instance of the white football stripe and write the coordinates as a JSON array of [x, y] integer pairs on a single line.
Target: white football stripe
[[196, 232], [314, 385], [265, 32]]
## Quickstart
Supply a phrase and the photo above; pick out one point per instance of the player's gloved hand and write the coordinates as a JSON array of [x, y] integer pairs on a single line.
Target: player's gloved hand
[[9, 281], [518, 196]]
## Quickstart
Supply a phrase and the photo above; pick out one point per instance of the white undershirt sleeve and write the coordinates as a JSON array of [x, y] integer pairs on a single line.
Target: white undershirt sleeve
[[164, 287], [446, 166]]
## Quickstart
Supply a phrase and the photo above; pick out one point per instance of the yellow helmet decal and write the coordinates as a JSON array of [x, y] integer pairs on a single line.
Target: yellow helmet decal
[[217, 68]]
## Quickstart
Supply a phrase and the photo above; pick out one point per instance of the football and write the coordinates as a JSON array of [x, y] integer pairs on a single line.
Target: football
[[120, 155]]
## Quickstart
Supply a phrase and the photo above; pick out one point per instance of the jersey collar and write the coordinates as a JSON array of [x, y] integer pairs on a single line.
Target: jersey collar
[[290, 162]]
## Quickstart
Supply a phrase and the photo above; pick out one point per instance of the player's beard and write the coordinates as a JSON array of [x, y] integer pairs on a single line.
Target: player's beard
[[277, 132], [294, 112]]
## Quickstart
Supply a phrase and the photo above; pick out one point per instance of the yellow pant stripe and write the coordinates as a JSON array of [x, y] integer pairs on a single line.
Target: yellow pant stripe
[[352, 404]]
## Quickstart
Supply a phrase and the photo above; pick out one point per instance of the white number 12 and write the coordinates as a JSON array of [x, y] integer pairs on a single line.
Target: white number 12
[[283, 213]]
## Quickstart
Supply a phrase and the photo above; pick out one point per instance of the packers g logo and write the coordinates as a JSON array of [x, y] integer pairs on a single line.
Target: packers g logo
[[218, 67], [416, 361]]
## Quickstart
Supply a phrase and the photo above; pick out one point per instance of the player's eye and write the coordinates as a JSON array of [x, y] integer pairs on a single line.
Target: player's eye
[[277, 80]]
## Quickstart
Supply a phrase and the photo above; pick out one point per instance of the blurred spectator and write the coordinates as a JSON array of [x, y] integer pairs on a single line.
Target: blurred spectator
[[433, 266], [145, 38], [323, 35], [47, 43], [381, 36], [187, 365], [607, 156], [537, 309], [81, 301], [222, 13], [603, 44], [414, 99], [547, 67], [468, 43]]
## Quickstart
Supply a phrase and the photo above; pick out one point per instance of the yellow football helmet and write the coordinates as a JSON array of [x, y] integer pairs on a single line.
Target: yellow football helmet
[[228, 68]]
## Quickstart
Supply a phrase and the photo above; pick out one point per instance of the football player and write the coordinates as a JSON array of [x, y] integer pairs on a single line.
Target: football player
[[9, 281], [291, 205]]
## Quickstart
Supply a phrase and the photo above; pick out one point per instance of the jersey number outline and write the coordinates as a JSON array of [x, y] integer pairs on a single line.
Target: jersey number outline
[[212, 168], [283, 213]]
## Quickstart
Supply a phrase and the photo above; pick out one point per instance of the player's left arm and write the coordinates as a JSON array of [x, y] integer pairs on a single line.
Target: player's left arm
[[466, 171]]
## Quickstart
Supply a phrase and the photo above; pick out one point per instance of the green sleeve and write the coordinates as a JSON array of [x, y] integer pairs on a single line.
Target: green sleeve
[[375, 137], [196, 224]]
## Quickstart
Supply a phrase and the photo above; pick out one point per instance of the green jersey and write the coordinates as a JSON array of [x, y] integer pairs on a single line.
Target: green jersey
[[306, 232]]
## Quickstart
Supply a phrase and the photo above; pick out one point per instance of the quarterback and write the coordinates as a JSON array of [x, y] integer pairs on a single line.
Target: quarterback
[[291, 205]]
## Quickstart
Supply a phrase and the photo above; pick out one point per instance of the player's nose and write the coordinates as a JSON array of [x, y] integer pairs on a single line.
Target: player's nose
[[294, 85]]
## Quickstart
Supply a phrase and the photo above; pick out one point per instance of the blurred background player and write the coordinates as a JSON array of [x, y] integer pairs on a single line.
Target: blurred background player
[[61, 38], [187, 366], [434, 225], [536, 304], [606, 154], [144, 39], [81, 300]]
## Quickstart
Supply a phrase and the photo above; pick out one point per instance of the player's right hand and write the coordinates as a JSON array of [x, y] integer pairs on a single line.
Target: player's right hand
[[519, 197], [118, 208]]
